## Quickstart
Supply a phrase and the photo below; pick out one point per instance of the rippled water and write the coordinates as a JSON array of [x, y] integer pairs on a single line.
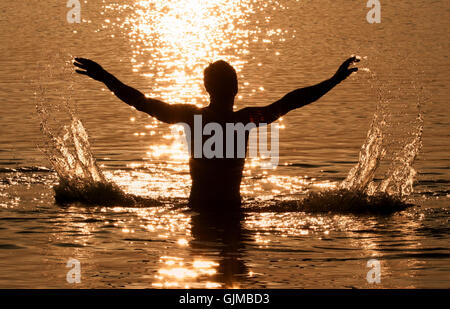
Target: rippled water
[[374, 119]]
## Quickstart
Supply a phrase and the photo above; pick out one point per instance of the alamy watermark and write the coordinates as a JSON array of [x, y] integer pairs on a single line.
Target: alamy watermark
[[74, 274], [230, 142], [374, 15], [374, 274], [74, 14]]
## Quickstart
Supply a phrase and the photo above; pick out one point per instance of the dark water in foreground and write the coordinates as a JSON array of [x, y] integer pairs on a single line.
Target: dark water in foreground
[[366, 134]]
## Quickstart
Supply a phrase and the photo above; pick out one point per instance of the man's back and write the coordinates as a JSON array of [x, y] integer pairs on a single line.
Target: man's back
[[216, 176]]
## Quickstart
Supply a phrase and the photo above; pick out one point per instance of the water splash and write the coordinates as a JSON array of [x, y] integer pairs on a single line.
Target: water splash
[[400, 178], [390, 133], [393, 133], [66, 144], [337, 201], [371, 154]]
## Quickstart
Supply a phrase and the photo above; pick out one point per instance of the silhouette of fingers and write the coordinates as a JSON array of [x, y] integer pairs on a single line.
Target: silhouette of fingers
[[83, 60], [82, 66], [349, 61], [81, 72]]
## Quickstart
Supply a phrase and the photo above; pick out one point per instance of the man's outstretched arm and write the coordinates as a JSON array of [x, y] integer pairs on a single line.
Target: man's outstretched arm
[[133, 97], [299, 97]]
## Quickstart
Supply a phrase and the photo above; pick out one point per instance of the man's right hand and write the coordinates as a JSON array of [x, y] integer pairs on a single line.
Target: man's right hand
[[90, 68]]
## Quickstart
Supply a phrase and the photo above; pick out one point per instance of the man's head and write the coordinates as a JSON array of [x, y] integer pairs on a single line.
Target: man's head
[[221, 81]]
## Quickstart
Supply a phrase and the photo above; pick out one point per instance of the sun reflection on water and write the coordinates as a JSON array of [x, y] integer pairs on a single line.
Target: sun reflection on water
[[173, 41], [176, 272]]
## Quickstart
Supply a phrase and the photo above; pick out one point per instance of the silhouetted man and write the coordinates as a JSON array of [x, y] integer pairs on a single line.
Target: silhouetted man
[[215, 181]]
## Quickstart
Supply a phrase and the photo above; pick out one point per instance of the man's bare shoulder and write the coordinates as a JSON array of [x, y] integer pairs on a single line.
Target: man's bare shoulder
[[243, 111], [247, 114]]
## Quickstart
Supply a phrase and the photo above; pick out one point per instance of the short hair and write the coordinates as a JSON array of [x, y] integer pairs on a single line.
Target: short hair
[[221, 79]]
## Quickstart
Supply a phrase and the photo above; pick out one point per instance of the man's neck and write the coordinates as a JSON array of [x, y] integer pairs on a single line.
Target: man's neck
[[221, 104]]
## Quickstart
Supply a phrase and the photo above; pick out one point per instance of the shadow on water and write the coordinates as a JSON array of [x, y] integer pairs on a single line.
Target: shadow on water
[[223, 232]]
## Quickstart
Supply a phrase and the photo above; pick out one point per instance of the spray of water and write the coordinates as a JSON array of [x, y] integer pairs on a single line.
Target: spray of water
[[384, 133], [371, 154], [66, 144], [393, 140]]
